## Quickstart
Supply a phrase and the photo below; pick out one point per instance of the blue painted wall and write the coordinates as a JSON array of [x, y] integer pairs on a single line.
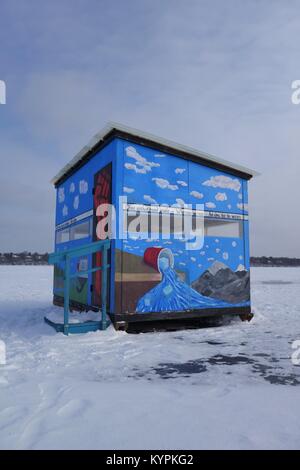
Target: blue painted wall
[[74, 197], [146, 176], [153, 177]]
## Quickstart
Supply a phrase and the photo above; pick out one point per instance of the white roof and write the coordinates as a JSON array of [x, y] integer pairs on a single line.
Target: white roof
[[110, 126]]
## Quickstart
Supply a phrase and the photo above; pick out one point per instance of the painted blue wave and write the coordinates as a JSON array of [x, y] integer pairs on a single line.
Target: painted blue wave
[[173, 294]]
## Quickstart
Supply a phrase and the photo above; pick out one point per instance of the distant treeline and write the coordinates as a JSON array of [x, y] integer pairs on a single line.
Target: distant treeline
[[28, 258], [274, 261]]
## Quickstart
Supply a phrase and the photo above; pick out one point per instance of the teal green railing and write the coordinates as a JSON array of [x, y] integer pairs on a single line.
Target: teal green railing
[[65, 257]]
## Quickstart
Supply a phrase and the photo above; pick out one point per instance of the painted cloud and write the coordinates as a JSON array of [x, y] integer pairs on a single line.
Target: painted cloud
[[164, 184], [128, 190], [196, 194], [132, 166], [76, 202], [140, 162], [61, 194], [83, 187], [179, 171], [221, 197], [181, 183], [224, 182], [180, 202], [149, 199], [65, 210], [210, 205], [72, 188]]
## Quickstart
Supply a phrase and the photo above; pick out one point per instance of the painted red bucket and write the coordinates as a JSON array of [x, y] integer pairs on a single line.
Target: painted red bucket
[[153, 254]]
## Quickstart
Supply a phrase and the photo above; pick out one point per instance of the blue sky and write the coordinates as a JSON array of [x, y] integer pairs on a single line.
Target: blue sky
[[214, 75]]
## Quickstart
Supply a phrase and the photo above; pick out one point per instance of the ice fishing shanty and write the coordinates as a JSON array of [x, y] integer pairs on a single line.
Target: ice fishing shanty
[[141, 278]]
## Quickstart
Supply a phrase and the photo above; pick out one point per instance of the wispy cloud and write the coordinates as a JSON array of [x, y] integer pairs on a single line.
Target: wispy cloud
[[196, 194], [128, 190], [164, 184], [149, 199], [223, 181]]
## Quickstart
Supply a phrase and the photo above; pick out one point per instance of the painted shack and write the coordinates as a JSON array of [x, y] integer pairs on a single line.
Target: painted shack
[[137, 190]]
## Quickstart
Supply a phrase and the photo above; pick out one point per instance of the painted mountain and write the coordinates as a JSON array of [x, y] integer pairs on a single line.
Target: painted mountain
[[220, 282]]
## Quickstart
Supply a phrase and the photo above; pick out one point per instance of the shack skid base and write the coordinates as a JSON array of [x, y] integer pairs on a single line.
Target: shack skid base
[[170, 321], [160, 321]]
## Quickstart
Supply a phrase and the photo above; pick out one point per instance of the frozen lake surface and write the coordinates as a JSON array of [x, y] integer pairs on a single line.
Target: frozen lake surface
[[233, 386]]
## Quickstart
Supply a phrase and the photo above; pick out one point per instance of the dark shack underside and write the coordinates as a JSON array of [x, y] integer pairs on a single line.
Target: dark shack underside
[[168, 321]]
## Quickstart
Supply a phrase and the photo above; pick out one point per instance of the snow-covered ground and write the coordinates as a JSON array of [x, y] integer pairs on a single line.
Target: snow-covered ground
[[229, 387]]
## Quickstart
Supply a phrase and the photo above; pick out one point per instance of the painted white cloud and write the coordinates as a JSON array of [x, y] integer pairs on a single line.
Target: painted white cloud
[[193, 258], [241, 257], [234, 244], [182, 263], [242, 206], [224, 182], [128, 190], [164, 184], [76, 202], [61, 195], [217, 240], [221, 197], [240, 196], [196, 194], [83, 187], [218, 250], [229, 206], [210, 259], [181, 183], [179, 171], [210, 205], [140, 162], [159, 155], [149, 199], [72, 188], [180, 202], [65, 210], [225, 255], [202, 253], [132, 166]]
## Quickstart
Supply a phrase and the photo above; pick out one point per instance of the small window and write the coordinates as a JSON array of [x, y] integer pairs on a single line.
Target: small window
[[223, 228], [80, 230], [155, 223], [63, 236]]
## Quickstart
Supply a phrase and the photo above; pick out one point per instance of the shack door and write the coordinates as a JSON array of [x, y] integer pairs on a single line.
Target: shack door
[[102, 195]]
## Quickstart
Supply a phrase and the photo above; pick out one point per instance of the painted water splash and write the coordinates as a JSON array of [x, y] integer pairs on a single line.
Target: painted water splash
[[173, 294]]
